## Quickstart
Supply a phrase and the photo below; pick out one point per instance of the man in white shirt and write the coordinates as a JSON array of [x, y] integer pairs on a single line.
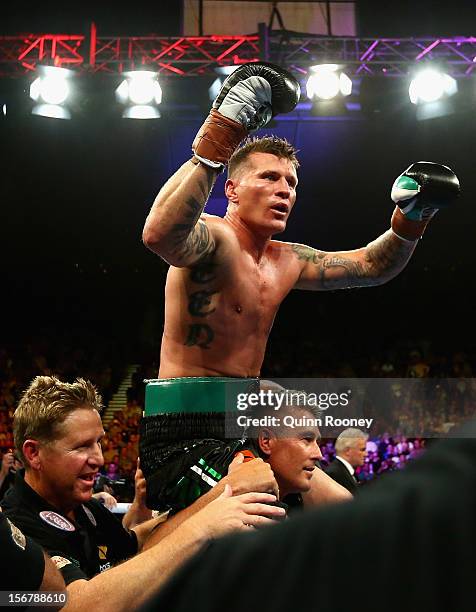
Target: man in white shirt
[[351, 450]]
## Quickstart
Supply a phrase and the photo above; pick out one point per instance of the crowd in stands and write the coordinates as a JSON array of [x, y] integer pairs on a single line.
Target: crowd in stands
[[451, 392], [433, 408], [69, 355], [384, 454]]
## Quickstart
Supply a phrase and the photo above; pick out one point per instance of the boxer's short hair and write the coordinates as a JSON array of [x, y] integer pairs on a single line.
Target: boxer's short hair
[[267, 144], [45, 405]]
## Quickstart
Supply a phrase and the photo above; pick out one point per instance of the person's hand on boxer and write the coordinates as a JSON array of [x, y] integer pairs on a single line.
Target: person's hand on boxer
[[254, 475], [231, 512], [140, 487], [419, 193], [107, 499], [138, 512], [248, 99]]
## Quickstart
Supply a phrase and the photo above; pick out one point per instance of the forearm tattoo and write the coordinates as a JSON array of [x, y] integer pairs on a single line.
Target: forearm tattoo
[[382, 259], [192, 238], [349, 273], [389, 254]]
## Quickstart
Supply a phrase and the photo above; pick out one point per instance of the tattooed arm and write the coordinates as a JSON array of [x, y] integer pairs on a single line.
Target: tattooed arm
[[375, 264], [173, 228]]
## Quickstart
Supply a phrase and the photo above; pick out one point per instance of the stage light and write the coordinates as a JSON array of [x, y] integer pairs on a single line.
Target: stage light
[[143, 88], [430, 85], [327, 81], [54, 111], [140, 93], [51, 91], [141, 111]]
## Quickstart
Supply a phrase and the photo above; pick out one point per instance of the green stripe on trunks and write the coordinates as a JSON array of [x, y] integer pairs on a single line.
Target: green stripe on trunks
[[195, 394]]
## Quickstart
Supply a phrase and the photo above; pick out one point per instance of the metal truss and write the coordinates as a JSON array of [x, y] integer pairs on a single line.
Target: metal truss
[[181, 56], [199, 55], [21, 54], [392, 57], [184, 56]]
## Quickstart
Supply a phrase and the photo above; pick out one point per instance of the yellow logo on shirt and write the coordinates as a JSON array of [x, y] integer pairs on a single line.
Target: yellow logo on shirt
[[102, 550]]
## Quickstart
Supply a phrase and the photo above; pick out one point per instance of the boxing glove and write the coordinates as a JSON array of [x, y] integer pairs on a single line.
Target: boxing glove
[[419, 193], [248, 99]]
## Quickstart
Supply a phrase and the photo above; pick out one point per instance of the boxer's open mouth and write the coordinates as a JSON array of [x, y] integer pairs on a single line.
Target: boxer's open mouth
[[283, 208]]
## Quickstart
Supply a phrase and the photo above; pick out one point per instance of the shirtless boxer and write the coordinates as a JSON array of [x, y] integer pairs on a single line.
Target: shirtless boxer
[[228, 276]]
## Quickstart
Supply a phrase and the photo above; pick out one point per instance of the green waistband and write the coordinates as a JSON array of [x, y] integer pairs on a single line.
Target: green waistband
[[195, 394]]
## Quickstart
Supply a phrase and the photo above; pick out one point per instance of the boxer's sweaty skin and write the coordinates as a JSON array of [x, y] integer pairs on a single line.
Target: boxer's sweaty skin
[[219, 313], [228, 277]]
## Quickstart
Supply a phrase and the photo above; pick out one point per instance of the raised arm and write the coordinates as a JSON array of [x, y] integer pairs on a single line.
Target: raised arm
[[173, 229], [374, 264], [419, 192], [248, 99]]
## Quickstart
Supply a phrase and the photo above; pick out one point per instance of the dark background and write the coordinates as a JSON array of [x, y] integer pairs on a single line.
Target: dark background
[[374, 18], [74, 197]]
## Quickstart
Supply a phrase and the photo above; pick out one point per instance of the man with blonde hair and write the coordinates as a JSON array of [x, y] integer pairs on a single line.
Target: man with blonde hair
[[58, 431]]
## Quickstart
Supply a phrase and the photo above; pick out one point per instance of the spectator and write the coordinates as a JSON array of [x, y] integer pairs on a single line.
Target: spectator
[[9, 467], [350, 453], [112, 471], [417, 366]]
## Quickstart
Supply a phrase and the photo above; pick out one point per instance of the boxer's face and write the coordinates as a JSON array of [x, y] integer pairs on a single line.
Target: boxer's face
[[264, 192], [292, 453], [70, 463]]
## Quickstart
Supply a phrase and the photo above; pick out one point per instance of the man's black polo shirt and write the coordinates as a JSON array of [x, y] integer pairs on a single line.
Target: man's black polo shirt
[[19, 552], [92, 543]]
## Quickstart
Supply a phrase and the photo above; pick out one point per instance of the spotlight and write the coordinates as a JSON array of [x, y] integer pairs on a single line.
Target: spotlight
[[140, 93], [141, 111], [327, 81], [51, 90], [430, 85]]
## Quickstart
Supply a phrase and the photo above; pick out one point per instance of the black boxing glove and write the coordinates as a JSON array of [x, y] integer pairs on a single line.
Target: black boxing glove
[[271, 90], [419, 193], [248, 99]]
